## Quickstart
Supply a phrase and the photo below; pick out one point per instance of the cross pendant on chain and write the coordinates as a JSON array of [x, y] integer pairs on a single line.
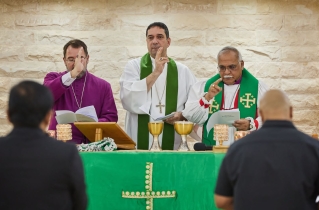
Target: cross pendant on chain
[[160, 105]]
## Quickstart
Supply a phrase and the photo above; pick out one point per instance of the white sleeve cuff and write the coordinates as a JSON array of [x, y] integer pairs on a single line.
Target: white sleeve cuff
[[67, 80], [204, 99]]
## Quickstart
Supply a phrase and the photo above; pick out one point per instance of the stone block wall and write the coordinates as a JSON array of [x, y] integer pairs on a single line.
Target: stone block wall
[[278, 39]]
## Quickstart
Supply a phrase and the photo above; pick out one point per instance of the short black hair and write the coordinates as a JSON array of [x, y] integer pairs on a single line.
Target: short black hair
[[29, 103], [160, 25], [75, 43]]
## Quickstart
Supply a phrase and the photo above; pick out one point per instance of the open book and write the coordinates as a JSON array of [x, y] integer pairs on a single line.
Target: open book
[[85, 114]]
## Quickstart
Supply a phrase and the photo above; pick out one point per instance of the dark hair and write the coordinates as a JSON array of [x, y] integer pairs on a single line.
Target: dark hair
[[29, 103], [75, 43], [161, 25]]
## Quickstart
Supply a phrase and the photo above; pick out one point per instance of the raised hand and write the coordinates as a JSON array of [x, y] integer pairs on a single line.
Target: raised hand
[[160, 61], [213, 90], [78, 64]]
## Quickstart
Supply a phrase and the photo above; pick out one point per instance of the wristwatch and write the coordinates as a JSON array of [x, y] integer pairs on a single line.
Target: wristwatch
[[250, 125]]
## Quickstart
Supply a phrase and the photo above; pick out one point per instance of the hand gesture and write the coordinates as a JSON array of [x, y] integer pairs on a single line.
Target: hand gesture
[[78, 64], [160, 61], [213, 90]]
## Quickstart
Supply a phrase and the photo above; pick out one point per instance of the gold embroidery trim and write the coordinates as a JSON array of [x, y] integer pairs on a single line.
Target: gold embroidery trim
[[214, 106]]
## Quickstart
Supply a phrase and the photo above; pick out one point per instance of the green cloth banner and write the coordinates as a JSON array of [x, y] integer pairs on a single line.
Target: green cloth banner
[[247, 101], [170, 106], [192, 175]]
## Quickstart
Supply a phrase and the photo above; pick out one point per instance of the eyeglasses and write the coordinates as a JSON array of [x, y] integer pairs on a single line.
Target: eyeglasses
[[230, 68], [72, 60]]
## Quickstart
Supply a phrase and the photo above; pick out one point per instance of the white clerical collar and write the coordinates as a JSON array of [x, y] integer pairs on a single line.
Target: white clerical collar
[[231, 87], [153, 60]]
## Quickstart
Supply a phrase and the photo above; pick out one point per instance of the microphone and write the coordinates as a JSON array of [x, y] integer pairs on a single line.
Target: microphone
[[202, 147]]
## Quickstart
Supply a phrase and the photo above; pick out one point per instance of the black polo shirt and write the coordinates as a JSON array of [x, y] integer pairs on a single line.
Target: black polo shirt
[[276, 167]]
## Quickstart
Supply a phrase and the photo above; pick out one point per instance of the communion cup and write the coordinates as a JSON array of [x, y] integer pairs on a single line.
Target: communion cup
[[183, 128], [155, 128]]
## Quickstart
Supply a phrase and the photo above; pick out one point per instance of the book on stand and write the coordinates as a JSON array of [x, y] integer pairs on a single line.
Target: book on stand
[[85, 114]]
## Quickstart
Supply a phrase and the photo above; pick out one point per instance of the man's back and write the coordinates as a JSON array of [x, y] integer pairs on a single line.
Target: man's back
[[275, 167], [38, 172]]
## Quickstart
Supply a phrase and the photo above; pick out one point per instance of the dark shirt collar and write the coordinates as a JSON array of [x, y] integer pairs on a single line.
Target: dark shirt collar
[[278, 123], [27, 131]]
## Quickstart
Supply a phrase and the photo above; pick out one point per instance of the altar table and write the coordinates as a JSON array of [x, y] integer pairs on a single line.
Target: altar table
[[190, 175]]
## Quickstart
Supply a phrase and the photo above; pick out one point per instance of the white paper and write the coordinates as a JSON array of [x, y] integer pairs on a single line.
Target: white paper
[[223, 117], [145, 108], [212, 121], [85, 114], [228, 116], [165, 117], [88, 111]]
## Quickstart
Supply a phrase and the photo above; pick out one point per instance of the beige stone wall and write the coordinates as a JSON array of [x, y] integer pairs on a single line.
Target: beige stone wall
[[278, 40]]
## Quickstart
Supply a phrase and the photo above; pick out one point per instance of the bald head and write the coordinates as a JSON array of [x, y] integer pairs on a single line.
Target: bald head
[[275, 105]]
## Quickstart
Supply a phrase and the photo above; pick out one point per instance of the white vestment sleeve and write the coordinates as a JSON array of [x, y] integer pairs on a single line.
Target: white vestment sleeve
[[133, 90], [193, 111]]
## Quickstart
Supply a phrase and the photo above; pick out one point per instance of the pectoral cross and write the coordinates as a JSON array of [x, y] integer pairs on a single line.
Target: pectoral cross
[[160, 106]]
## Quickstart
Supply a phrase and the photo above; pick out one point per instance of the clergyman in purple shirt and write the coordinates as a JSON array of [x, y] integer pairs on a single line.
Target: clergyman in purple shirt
[[76, 88]]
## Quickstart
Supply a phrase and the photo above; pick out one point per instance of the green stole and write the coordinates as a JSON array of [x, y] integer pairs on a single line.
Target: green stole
[[247, 104], [170, 106]]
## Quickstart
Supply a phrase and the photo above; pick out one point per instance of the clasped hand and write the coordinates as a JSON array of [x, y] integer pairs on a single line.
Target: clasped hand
[[242, 124]]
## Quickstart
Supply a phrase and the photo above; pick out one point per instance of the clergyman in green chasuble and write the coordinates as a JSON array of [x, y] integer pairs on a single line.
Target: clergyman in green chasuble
[[155, 85], [234, 87]]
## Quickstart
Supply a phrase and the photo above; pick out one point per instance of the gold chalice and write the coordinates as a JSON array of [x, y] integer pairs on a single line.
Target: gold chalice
[[220, 135], [183, 128], [155, 129]]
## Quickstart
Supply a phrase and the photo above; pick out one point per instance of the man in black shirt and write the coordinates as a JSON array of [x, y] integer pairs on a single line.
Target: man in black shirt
[[276, 167], [37, 172]]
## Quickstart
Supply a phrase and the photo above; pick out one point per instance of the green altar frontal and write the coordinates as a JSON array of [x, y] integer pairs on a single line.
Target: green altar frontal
[[125, 180]]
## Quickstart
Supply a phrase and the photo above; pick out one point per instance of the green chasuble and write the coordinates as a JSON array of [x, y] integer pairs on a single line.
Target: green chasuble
[[170, 106], [247, 104]]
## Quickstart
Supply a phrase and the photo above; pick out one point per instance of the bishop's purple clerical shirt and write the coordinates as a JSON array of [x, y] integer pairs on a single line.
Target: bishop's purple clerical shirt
[[97, 92]]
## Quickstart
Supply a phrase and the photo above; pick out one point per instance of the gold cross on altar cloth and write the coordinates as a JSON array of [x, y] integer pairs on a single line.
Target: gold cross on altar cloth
[[160, 105], [149, 194], [249, 99], [213, 105]]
